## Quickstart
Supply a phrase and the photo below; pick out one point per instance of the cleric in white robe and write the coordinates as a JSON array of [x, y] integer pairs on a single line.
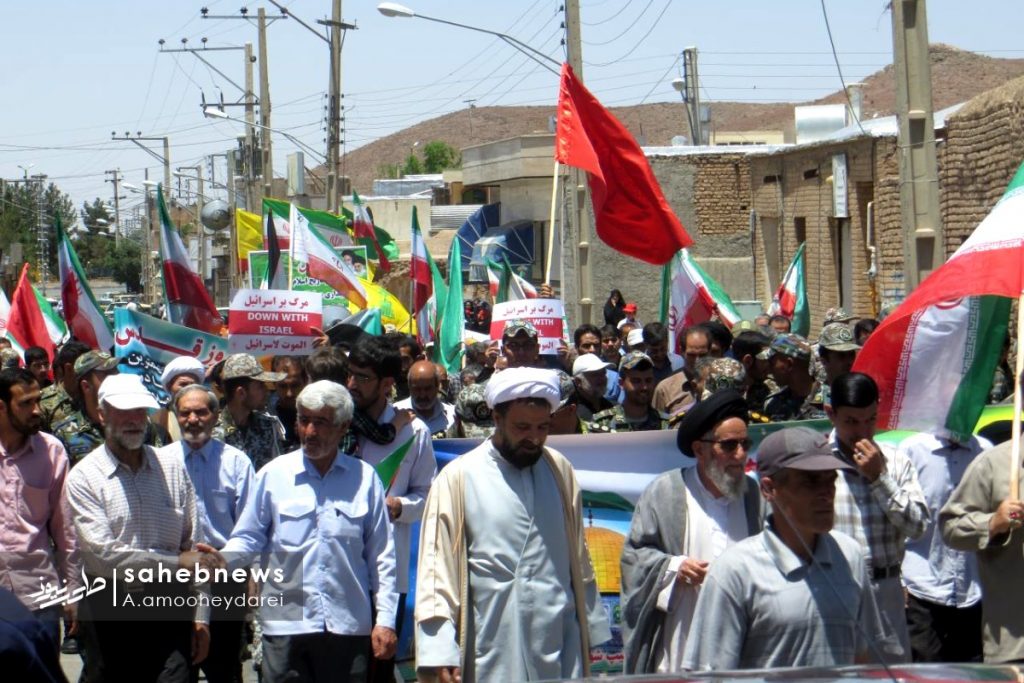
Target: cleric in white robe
[[504, 524]]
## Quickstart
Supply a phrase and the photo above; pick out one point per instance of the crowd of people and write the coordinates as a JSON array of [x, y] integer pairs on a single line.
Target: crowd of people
[[840, 550]]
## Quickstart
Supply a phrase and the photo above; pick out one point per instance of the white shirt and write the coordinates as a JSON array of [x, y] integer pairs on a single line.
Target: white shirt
[[440, 421]]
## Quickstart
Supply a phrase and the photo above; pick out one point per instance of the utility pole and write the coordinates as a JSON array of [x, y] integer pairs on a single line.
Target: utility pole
[[147, 252], [267, 156], [692, 95], [334, 113], [249, 157], [579, 191], [138, 138], [919, 177], [41, 231], [115, 179]]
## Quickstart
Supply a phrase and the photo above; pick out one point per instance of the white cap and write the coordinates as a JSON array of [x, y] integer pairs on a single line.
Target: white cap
[[589, 362], [126, 392], [516, 383], [635, 337], [182, 365]]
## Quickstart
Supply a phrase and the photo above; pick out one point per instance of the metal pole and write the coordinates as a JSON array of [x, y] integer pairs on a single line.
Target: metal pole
[[251, 199], [117, 207], [334, 111]]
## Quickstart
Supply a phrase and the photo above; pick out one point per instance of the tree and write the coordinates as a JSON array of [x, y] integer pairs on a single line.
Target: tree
[[439, 155], [92, 244], [412, 166], [20, 220], [124, 261]]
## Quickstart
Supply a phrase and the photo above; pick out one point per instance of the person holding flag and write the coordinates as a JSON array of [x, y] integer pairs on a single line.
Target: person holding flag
[[406, 466]]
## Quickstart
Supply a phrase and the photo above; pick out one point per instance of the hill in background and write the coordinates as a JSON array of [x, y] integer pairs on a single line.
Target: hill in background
[[957, 76]]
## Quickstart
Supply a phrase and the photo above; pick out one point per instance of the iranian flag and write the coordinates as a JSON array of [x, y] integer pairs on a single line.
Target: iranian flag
[[362, 226], [322, 261], [790, 299], [422, 281], [506, 285], [82, 313], [5, 312], [188, 302], [32, 321], [934, 356], [690, 296]]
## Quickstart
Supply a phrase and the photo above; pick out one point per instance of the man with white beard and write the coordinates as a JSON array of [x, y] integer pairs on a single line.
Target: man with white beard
[[683, 521]]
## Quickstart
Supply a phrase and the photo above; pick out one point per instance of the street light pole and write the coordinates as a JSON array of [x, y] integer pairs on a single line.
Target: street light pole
[[201, 231]]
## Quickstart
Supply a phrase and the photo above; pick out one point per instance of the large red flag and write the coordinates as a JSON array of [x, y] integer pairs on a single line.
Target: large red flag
[[26, 325], [631, 212]]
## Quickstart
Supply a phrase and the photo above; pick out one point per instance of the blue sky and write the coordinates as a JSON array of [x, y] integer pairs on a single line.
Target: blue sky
[[75, 71]]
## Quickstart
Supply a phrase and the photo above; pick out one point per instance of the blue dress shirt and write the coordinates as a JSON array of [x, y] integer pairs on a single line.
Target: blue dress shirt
[[331, 532], [222, 476]]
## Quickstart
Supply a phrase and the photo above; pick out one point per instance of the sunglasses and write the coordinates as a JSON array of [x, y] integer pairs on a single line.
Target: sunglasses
[[730, 445]]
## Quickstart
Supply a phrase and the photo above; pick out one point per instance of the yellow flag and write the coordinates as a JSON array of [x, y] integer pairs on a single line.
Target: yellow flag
[[392, 312], [249, 230]]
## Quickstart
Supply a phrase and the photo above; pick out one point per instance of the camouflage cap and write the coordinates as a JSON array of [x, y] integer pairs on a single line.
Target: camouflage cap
[[724, 373], [744, 326], [837, 337], [244, 365], [94, 360], [517, 326], [634, 360], [838, 315], [566, 390], [471, 407], [792, 345]]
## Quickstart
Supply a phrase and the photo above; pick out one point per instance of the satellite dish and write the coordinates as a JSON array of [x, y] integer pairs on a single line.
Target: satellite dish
[[216, 215]]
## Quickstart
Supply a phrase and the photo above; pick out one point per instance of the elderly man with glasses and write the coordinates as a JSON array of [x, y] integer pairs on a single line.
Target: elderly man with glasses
[[683, 521]]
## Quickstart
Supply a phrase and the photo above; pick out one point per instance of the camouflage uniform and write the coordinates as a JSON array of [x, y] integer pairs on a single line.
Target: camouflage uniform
[[835, 337], [260, 438], [782, 406], [614, 420], [759, 392], [1002, 385], [81, 436], [55, 404]]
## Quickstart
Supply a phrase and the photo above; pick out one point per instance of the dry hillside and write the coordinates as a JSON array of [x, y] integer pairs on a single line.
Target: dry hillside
[[956, 76]]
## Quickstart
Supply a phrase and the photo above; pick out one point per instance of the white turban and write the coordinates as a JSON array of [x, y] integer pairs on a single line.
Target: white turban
[[516, 383], [182, 365]]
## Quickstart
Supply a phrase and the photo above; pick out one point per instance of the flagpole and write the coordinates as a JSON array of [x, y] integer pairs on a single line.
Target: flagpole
[[1017, 400], [551, 224], [292, 221]]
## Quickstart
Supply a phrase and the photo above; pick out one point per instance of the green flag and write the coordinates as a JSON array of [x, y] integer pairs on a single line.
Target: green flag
[[388, 467], [450, 317]]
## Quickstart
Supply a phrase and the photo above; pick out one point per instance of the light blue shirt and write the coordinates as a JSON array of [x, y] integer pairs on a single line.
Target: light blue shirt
[[222, 476], [932, 571], [614, 392], [330, 532]]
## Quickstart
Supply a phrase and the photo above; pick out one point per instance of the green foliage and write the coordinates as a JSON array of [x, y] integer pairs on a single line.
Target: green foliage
[[439, 155], [20, 219], [124, 261], [92, 243], [412, 166], [389, 171]]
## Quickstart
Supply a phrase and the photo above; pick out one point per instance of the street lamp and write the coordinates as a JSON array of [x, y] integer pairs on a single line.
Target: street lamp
[[393, 9], [214, 113]]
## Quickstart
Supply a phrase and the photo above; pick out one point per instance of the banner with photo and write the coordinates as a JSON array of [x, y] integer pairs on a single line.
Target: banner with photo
[[354, 255], [146, 344]]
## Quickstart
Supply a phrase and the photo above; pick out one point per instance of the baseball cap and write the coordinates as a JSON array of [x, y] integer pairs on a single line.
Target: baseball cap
[[837, 337], [630, 307], [244, 365], [633, 360], [792, 345], [797, 448], [94, 360], [635, 337], [589, 362], [744, 326], [514, 327], [126, 392]]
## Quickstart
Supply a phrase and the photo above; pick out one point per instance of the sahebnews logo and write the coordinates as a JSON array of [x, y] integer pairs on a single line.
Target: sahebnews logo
[[142, 589]]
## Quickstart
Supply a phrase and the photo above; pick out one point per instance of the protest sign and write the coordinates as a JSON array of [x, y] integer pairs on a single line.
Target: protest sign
[[146, 344], [274, 322], [355, 256], [546, 315]]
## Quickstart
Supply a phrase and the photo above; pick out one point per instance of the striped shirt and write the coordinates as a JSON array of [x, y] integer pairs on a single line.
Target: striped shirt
[[883, 514], [127, 519]]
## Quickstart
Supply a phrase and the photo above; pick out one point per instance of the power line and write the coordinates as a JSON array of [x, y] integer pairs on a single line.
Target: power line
[[644, 37], [839, 69], [627, 29]]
